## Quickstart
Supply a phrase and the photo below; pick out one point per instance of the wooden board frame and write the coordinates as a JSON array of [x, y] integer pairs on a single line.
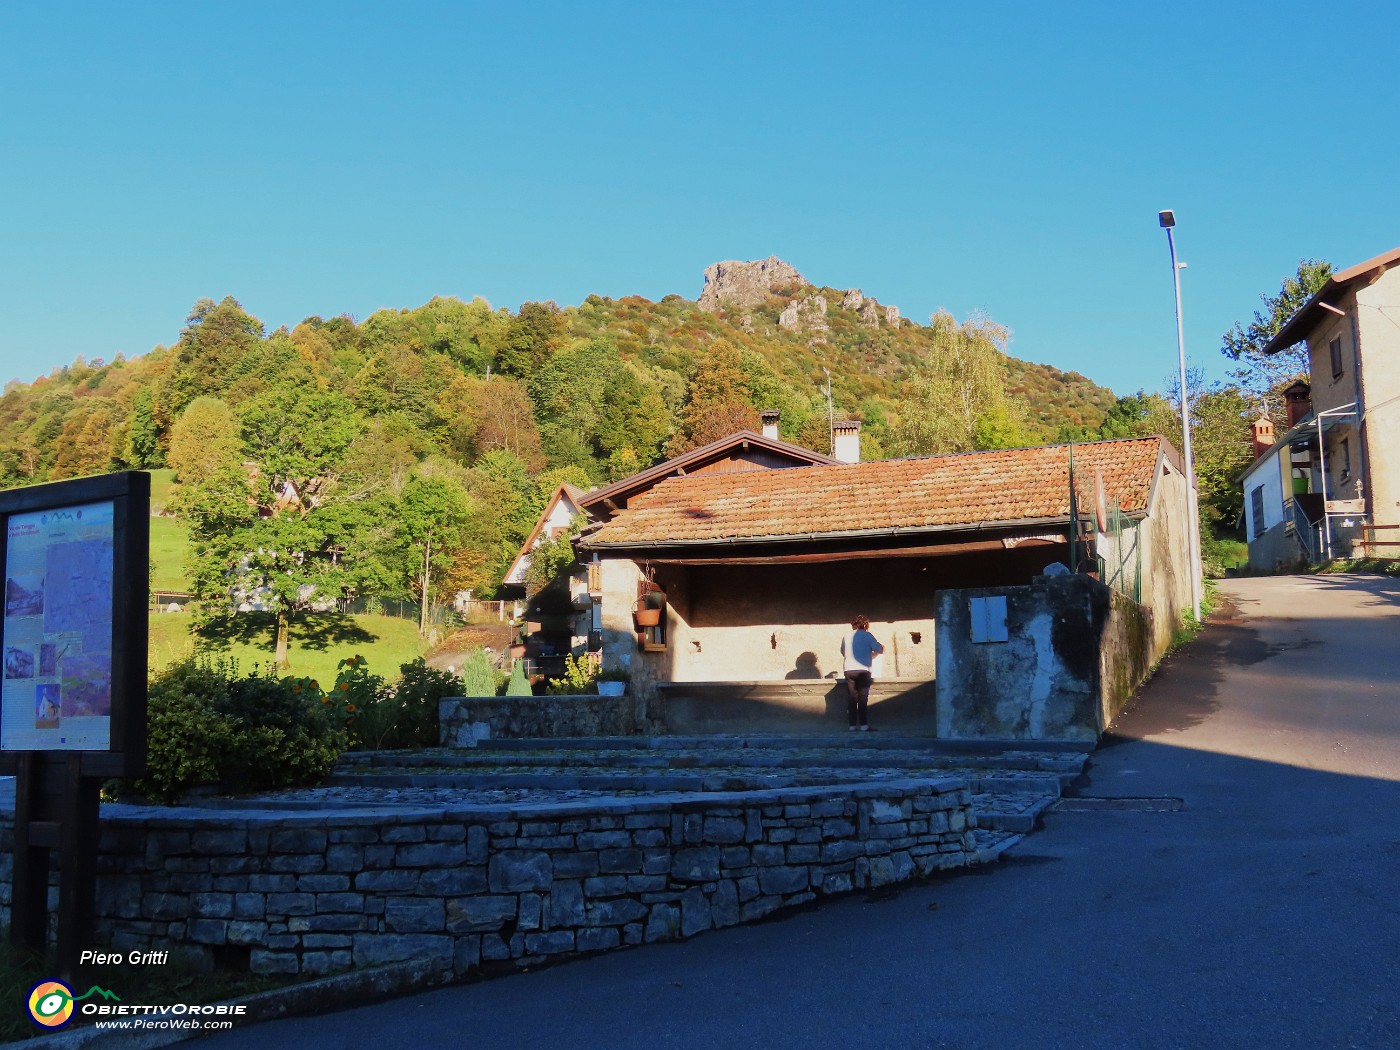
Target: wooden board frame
[[129, 492]]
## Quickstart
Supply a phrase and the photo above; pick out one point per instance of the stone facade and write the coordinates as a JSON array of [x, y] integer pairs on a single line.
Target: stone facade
[[465, 720], [316, 892], [1069, 654]]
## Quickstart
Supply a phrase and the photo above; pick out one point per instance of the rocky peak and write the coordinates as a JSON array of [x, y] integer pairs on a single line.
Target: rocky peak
[[807, 314], [746, 284]]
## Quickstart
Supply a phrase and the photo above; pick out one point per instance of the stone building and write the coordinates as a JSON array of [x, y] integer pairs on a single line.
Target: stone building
[[756, 574], [1345, 453]]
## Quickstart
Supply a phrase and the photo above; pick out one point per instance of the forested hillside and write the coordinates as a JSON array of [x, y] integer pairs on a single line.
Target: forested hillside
[[412, 450]]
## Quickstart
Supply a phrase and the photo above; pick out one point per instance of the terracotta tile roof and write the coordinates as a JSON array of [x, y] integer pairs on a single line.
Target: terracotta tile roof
[[932, 494]]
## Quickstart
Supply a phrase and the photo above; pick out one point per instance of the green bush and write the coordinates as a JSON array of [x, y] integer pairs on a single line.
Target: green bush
[[579, 677], [209, 725], [405, 714], [479, 678], [518, 685]]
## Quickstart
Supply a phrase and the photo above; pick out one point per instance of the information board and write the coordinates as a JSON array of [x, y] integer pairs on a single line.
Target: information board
[[75, 561], [57, 691]]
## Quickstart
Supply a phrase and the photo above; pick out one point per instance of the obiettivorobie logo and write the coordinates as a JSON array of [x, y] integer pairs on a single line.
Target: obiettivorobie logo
[[51, 1002], [52, 1005]]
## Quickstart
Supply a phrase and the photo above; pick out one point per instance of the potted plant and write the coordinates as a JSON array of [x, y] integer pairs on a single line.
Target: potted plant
[[613, 682], [645, 617]]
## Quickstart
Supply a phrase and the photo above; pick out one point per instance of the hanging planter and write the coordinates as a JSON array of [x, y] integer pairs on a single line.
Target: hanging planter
[[646, 617]]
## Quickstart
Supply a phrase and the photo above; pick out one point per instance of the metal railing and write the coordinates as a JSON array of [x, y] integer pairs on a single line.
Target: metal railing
[[1305, 531], [1120, 565]]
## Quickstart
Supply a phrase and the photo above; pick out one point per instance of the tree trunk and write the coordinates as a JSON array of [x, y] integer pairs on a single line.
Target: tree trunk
[[283, 632], [423, 605]]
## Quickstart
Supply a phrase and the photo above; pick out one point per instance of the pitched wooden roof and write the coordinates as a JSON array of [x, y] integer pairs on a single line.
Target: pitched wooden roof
[[885, 497], [1326, 297], [573, 495], [601, 502]]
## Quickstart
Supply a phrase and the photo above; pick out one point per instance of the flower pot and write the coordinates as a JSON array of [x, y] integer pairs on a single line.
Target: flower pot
[[517, 651], [611, 688], [646, 617], [533, 626]]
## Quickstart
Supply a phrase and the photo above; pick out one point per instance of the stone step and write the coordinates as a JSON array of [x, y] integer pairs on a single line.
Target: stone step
[[1064, 765], [1019, 813], [840, 740], [989, 844]]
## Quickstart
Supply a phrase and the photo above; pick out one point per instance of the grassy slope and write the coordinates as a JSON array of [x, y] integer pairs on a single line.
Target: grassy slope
[[169, 539], [318, 644]]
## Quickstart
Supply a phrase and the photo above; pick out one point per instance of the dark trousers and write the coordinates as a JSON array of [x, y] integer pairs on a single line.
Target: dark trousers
[[858, 688]]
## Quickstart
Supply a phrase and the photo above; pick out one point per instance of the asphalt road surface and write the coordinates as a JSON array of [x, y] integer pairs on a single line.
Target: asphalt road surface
[[1263, 912]]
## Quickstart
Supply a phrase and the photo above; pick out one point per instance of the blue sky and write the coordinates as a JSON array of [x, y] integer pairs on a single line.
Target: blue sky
[[326, 158]]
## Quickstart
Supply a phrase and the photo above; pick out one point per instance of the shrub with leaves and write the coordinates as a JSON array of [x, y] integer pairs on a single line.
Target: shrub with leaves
[[579, 677], [209, 725], [479, 678], [518, 685], [353, 693], [405, 714]]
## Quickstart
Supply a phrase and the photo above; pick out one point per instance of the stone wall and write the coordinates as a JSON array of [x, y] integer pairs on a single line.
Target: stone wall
[[1039, 681], [464, 720], [1276, 550], [816, 707], [1074, 652], [325, 890], [1126, 654]]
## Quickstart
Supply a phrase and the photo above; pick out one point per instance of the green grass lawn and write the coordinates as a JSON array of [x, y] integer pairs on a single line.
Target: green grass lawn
[[169, 541], [319, 642], [161, 482]]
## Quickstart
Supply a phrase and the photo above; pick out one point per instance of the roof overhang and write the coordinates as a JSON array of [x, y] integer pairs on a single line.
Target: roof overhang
[[855, 543], [1326, 300], [618, 492]]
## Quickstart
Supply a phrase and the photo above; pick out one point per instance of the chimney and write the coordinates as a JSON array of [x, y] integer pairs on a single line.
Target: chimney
[[845, 441], [1263, 435], [770, 423], [1298, 398]]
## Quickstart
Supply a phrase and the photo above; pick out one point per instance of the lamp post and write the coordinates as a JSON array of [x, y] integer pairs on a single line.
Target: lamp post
[[1193, 528]]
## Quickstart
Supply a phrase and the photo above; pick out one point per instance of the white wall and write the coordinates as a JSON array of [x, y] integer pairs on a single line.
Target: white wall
[[1378, 320], [1267, 473]]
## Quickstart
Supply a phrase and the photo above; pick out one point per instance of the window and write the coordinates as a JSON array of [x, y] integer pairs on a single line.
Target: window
[[1346, 459], [1335, 349], [1256, 511]]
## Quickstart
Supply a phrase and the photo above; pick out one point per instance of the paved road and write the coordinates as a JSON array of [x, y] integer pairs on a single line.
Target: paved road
[[1263, 913]]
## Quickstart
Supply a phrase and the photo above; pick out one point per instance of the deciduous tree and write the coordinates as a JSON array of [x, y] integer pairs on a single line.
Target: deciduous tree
[[960, 382], [1264, 374], [204, 439], [717, 400]]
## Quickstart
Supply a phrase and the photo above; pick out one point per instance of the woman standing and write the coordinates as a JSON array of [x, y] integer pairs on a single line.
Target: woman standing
[[858, 650]]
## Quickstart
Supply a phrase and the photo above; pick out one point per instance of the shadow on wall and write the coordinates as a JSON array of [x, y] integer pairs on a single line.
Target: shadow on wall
[[807, 667]]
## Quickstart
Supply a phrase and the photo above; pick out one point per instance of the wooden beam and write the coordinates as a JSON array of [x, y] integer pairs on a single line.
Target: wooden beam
[[931, 551]]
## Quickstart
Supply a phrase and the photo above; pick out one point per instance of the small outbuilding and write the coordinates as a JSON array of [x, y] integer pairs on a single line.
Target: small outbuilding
[[726, 596]]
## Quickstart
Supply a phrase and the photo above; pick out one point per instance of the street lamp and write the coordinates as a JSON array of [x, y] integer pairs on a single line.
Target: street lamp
[[1193, 528]]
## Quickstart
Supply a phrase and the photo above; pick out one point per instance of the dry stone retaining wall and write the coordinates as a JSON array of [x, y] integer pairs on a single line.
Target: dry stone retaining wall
[[315, 892]]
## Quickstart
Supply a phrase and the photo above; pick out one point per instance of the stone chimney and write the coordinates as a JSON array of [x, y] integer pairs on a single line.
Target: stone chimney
[[1263, 435], [845, 441], [1298, 398], [770, 423]]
